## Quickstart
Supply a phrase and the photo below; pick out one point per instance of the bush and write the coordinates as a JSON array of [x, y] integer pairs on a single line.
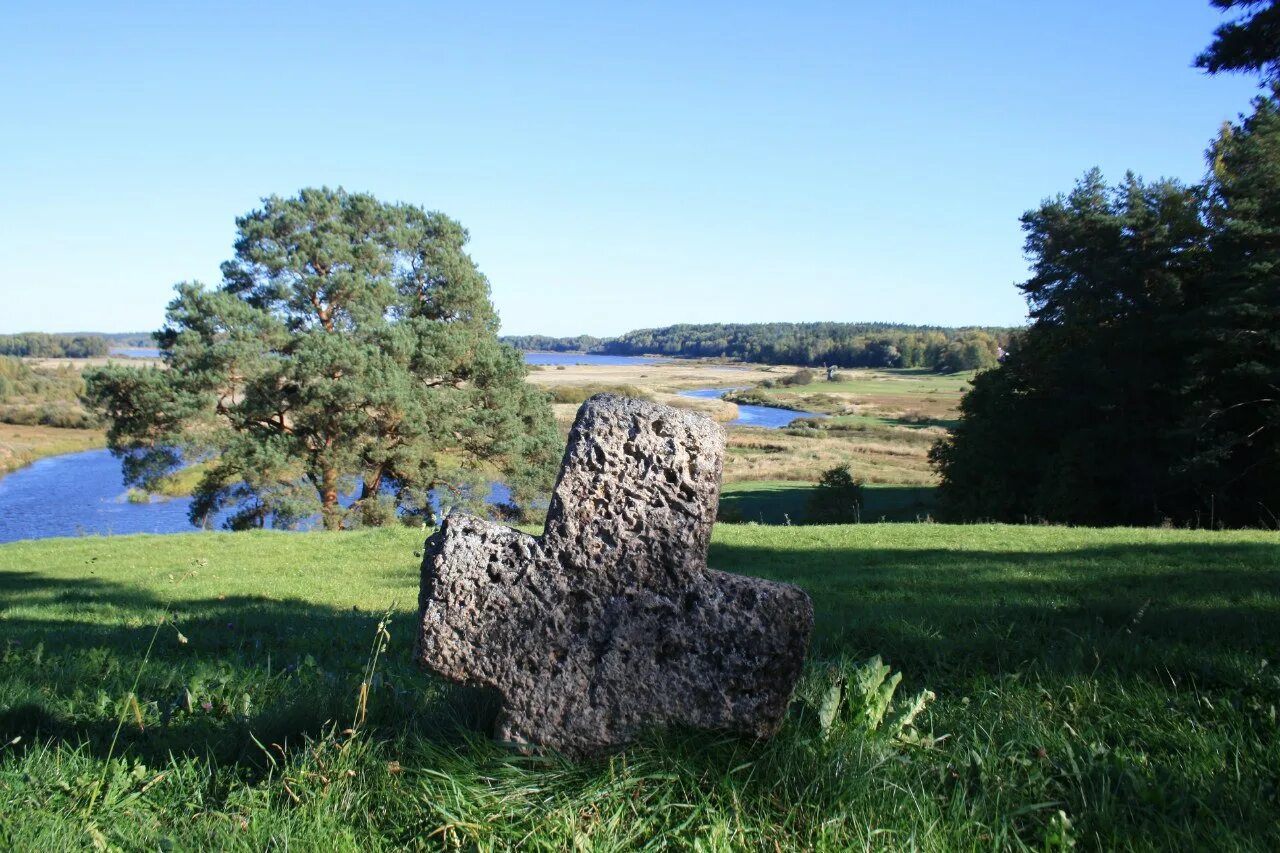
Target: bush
[[837, 499], [803, 376]]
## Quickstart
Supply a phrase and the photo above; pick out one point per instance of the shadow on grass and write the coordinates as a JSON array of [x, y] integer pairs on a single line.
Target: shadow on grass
[[783, 503], [230, 677], [1155, 612]]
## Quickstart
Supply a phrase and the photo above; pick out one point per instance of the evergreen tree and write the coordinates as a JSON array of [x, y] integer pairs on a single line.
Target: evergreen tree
[[1234, 422], [352, 342], [1148, 386], [1078, 423], [1251, 43]]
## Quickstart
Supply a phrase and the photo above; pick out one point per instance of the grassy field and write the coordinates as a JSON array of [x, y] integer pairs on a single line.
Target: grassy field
[[22, 445], [882, 422], [905, 396], [1103, 688]]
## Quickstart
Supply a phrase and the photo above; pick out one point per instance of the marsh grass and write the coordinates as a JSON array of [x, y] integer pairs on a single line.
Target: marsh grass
[[20, 445], [1107, 689]]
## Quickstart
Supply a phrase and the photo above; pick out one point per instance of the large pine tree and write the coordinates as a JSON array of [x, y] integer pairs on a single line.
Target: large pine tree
[[352, 343], [1234, 333]]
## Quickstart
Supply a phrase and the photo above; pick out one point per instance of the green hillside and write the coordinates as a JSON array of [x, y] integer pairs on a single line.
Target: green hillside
[[1112, 688]]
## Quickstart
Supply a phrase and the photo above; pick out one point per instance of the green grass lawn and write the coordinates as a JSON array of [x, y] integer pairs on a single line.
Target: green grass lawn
[[1107, 688]]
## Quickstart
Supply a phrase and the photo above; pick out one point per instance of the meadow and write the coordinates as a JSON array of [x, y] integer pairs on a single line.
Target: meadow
[[1103, 689], [22, 444], [882, 422]]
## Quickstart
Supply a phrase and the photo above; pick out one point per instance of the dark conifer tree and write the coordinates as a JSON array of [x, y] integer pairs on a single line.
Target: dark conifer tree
[[1249, 43]]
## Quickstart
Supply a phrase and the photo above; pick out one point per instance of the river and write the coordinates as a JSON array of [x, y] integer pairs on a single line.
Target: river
[[769, 417]]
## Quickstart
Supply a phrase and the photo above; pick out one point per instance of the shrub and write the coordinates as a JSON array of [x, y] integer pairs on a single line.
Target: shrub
[[837, 499], [803, 376]]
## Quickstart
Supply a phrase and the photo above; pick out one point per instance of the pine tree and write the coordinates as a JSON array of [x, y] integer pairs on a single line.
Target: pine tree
[[1251, 43], [350, 342], [1234, 332], [1077, 425]]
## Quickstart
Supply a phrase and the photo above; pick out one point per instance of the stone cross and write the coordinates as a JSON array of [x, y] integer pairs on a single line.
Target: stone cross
[[610, 622]]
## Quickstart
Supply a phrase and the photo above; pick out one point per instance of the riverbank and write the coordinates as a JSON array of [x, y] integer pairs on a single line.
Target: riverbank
[[22, 445]]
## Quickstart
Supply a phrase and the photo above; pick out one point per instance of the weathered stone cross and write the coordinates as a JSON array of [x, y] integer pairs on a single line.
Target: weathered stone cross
[[610, 621]]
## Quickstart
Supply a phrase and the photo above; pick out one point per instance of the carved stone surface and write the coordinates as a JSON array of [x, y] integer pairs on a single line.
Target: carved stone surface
[[610, 621]]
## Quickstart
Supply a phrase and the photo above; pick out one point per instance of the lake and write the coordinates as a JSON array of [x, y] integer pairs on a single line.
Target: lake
[[547, 358], [136, 352], [81, 494], [76, 494], [769, 417]]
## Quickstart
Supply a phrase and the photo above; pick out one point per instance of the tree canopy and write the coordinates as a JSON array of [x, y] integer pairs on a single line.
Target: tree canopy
[[1073, 426], [1249, 43], [351, 344]]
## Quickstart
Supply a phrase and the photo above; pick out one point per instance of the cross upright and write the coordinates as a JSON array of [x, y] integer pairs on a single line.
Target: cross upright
[[610, 621]]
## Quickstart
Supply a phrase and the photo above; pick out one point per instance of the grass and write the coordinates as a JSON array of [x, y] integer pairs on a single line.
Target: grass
[[578, 394], [894, 396], [877, 453], [1108, 688], [182, 482], [21, 445]]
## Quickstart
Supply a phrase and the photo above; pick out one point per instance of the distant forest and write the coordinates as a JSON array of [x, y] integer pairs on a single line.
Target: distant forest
[[43, 345], [839, 344], [71, 344]]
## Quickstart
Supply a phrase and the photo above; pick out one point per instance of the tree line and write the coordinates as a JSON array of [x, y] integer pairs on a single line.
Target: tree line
[[1147, 388], [811, 344], [44, 345]]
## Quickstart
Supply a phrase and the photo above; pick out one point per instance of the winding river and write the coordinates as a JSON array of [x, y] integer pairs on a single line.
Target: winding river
[[769, 417]]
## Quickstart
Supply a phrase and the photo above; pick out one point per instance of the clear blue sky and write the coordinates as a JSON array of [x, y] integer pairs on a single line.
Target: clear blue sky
[[618, 165]]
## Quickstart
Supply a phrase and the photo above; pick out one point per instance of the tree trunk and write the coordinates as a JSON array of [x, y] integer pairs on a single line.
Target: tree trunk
[[330, 511], [369, 492]]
